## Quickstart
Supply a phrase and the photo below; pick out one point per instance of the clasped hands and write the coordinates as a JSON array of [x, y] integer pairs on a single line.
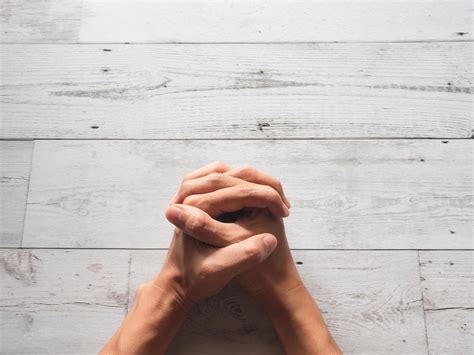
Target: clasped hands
[[229, 224]]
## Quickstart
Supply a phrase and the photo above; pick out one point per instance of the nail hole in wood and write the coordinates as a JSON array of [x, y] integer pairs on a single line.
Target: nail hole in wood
[[94, 127], [299, 262]]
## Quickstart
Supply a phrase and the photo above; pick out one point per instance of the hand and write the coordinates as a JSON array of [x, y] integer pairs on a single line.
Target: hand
[[217, 189], [194, 271]]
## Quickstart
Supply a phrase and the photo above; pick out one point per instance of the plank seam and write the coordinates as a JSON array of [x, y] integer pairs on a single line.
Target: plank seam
[[423, 303], [128, 280], [27, 193], [241, 43], [244, 139]]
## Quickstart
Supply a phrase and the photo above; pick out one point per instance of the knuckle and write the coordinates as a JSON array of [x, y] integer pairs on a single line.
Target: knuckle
[[247, 190], [216, 178], [218, 165], [191, 200], [196, 223], [183, 189], [249, 171], [206, 271]]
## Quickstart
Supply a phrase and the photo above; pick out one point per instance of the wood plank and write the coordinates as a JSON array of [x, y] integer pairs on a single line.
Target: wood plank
[[450, 331], [370, 299], [448, 290], [274, 21], [40, 21], [388, 194], [15, 162], [237, 91], [61, 301], [448, 279]]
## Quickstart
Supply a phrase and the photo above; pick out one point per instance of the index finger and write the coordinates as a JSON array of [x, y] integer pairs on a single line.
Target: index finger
[[251, 174]]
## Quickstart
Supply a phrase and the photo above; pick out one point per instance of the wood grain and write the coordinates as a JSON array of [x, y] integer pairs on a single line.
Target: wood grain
[[370, 299], [40, 21], [237, 91], [448, 290], [448, 279], [356, 194], [15, 162], [61, 301], [274, 21]]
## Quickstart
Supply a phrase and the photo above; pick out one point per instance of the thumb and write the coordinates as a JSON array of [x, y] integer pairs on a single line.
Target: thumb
[[242, 256]]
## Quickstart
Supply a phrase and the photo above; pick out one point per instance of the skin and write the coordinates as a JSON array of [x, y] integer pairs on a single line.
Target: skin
[[205, 254]]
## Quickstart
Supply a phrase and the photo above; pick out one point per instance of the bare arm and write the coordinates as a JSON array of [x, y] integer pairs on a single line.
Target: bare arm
[[150, 325], [299, 323]]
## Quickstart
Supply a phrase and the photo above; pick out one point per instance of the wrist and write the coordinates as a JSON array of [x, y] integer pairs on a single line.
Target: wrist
[[297, 309], [268, 288], [152, 322]]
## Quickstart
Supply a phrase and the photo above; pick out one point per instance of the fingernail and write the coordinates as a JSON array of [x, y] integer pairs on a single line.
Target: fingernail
[[270, 243], [174, 213]]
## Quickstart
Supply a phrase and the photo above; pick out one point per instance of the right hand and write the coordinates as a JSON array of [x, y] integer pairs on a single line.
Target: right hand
[[216, 189]]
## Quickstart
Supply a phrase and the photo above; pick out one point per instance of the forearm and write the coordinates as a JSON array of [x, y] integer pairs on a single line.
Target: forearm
[[299, 323], [150, 325]]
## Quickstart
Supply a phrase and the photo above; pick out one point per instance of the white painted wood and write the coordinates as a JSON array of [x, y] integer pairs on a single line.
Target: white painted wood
[[274, 21], [389, 194], [61, 301], [370, 299], [447, 279], [40, 21], [450, 331], [15, 162], [237, 91], [448, 290]]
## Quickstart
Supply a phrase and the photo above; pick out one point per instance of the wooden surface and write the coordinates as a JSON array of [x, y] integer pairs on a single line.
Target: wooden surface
[[224, 21], [237, 91], [113, 194], [447, 285], [61, 301], [274, 21], [362, 109], [40, 291], [15, 161]]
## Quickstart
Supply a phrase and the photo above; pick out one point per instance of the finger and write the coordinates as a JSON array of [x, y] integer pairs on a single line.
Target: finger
[[242, 256], [231, 199], [205, 184], [215, 167], [251, 174], [199, 225]]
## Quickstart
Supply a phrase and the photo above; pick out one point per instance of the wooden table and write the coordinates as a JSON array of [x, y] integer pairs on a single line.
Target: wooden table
[[362, 109]]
